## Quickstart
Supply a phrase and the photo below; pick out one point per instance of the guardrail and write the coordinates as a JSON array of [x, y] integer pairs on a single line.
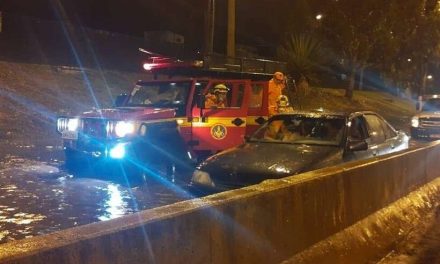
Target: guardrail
[[265, 223], [243, 65]]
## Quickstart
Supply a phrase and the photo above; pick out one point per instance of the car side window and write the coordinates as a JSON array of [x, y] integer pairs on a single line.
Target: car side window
[[375, 129], [357, 129], [388, 131]]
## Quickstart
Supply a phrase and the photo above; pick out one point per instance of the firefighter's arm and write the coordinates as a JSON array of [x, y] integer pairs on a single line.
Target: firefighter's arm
[[210, 101]]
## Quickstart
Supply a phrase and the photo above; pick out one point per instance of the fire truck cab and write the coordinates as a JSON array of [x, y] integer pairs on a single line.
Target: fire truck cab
[[165, 125]]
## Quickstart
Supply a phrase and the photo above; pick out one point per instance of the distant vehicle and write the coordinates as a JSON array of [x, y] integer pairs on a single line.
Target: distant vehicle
[[164, 125], [297, 142], [426, 124]]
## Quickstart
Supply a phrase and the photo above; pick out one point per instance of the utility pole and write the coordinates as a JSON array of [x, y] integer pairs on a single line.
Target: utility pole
[[209, 27], [230, 45]]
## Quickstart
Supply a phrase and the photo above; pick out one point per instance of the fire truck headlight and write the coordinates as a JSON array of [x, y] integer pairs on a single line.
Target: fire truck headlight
[[123, 128], [415, 122], [118, 151], [203, 178], [72, 124], [62, 124]]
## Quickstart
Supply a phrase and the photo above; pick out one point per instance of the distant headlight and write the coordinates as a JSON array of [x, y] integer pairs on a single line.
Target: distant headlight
[[415, 122], [203, 178]]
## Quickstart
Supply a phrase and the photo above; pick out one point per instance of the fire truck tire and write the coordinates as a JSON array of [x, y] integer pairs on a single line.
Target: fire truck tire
[[74, 164]]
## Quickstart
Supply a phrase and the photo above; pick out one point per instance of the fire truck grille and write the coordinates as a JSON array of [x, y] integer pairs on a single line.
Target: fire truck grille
[[430, 122], [95, 128]]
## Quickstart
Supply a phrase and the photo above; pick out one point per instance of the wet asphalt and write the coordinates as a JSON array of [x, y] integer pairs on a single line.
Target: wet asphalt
[[38, 197]]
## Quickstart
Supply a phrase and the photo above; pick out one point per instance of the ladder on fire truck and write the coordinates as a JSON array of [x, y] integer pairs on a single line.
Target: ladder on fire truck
[[212, 65]]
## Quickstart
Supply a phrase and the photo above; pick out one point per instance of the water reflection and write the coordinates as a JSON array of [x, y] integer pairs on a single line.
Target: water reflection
[[21, 218], [36, 198], [114, 206]]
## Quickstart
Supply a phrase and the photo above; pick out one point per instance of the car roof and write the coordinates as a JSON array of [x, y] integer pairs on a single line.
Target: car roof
[[319, 113]]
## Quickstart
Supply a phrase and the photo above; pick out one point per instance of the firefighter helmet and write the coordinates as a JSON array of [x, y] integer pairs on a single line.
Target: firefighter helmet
[[283, 101], [221, 88], [278, 76]]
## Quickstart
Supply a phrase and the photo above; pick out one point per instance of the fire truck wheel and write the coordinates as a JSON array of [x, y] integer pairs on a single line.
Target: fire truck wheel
[[74, 164]]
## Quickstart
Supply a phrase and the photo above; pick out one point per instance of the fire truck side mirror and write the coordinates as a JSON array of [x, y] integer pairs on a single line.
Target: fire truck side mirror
[[120, 100]]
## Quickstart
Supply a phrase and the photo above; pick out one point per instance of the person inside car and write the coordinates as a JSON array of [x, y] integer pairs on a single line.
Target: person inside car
[[290, 131]]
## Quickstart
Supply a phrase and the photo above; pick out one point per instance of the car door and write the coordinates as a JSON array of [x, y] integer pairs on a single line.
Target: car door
[[357, 131], [376, 135], [392, 142], [215, 129]]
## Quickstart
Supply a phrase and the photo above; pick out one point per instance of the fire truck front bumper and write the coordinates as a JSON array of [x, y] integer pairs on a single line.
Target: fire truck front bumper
[[111, 151]]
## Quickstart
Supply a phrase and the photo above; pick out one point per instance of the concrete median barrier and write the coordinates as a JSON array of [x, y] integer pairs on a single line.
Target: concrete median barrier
[[265, 223]]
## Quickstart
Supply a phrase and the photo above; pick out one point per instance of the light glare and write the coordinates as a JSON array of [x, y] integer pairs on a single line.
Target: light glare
[[72, 124], [118, 151]]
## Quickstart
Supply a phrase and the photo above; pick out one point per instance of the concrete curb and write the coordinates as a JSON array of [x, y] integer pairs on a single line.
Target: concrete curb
[[372, 237]]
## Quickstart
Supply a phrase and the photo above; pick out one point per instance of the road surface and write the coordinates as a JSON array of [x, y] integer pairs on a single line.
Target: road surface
[[38, 197]]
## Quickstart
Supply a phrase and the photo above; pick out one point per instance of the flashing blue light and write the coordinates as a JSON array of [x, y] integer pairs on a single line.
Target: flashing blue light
[[118, 151]]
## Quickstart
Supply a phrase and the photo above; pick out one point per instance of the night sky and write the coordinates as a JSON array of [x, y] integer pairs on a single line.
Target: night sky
[[256, 20]]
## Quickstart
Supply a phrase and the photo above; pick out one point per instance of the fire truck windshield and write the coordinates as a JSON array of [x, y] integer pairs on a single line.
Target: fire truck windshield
[[160, 94]]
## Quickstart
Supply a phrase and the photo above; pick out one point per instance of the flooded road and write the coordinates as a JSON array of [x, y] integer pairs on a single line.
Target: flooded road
[[37, 197]]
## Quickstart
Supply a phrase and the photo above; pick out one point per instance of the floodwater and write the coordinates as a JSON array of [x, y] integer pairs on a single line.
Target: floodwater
[[37, 197]]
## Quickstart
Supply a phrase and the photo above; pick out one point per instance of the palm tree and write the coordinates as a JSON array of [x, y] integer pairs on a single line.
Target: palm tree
[[304, 55]]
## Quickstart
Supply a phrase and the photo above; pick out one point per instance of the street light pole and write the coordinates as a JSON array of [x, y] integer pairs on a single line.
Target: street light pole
[[210, 25], [230, 46]]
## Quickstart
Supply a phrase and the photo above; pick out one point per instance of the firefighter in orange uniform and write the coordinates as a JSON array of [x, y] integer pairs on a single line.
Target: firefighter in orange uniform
[[276, 87], [217, 98]]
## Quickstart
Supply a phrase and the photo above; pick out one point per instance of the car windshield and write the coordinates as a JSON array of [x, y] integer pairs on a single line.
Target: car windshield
[[160, 94], [431, 105], [302, 129]]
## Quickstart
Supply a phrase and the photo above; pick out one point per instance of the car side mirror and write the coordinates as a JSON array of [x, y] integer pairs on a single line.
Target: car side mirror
[[120, 100], [357, 145]]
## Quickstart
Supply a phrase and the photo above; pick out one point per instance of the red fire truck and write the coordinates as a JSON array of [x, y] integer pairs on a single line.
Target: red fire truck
[[162, 125]]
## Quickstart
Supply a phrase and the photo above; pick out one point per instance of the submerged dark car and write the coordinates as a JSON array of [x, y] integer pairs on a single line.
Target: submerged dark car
[[297, 142]]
